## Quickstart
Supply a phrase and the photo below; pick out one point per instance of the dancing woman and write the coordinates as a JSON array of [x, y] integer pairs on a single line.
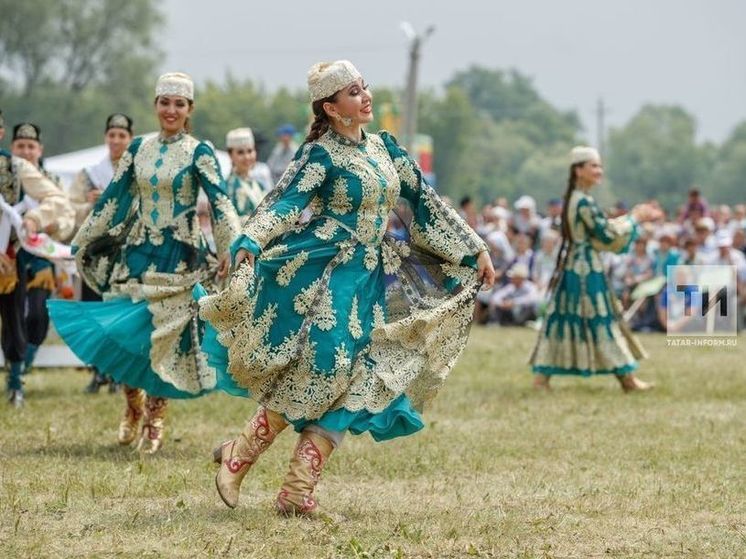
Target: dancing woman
[[332, 325], [143, 247], [584, 333], [244, 191]]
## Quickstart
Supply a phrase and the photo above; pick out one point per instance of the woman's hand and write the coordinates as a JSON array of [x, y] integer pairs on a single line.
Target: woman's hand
[[224, 265], [646, 212], [485, 270], [242, 255]]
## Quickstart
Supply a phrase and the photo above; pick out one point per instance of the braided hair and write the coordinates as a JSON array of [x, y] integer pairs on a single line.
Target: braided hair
[[564, 227], [320, 123]]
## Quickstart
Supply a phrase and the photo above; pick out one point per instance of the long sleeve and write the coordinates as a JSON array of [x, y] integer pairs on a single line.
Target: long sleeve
[[280, 210], [435, 225], [103, 232], [225, 222], [78, 193], [614, 235], [54, 208]]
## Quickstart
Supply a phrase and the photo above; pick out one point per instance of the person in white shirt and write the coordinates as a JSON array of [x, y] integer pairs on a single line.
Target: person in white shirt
[[516, 302]]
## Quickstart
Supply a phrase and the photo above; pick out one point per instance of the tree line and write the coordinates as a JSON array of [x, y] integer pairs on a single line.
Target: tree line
[[67, 64]]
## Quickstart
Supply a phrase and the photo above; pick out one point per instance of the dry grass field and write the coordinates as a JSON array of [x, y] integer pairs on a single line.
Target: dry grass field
[[499, 471]]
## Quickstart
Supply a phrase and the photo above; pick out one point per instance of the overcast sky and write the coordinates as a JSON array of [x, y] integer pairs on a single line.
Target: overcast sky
[[629, 52]]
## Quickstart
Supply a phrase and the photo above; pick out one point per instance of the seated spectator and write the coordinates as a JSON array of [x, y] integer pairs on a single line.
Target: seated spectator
[[639, 267], [468, 212], [703, 234], [665, 255], [526, 220], [545, 260], [516, 302], [553, 220], [524, 254]]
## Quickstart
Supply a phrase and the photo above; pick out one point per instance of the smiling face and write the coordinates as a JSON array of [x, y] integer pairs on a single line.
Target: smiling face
[[30, 150], [589, 173], [117, 140], [172, 111], [243, 159], [354, 102]]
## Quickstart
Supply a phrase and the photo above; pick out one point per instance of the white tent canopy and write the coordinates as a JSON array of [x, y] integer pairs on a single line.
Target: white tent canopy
[[67, 165]]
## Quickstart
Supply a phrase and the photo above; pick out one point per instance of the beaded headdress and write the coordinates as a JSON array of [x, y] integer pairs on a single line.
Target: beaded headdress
[[26, 131], [175, 83], [326, 78]]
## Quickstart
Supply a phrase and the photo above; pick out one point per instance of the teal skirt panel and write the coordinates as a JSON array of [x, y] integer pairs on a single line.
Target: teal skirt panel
[[399, 419], [113, 336]]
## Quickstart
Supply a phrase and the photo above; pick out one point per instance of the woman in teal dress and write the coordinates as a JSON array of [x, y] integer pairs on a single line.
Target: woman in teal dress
[[330, 323], [244, 191], [143, 248], [584, 333]]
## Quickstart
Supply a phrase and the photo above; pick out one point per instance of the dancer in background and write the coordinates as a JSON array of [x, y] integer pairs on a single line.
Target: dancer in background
[[143, 245], [244, 191], [311, 329], [584, 333], [85, 191], [44, 208]]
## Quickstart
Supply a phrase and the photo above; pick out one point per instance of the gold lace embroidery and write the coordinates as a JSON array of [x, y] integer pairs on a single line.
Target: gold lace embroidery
[[356, 329], [208, 167], [370, 260], [287, 271], [340, 202], [124, 163], [313, 176], [326, 231]]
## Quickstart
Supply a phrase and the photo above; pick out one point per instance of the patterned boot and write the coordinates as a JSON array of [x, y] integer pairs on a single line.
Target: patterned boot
[[151, 438], [135, 398], [296, 494], [236, 457]]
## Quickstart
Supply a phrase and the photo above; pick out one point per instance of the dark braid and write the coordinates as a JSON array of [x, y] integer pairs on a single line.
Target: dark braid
[[564, 228], [320, 123]]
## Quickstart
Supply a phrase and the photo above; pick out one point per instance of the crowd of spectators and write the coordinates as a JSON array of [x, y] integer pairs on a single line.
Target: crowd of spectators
[[524, 242]]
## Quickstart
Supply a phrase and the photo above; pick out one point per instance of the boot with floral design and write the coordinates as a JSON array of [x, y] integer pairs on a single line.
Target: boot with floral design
[[236, 457], [135, 398], [151, 438], [309, 457]]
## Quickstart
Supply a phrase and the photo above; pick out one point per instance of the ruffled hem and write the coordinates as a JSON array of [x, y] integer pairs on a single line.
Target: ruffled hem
[[113, 336], [549, 371], [399, 419]]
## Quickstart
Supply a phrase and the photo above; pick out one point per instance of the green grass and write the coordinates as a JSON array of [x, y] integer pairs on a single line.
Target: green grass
[[500, 471]]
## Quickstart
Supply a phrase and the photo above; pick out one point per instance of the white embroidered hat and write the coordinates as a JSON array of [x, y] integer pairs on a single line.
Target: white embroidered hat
[[240, 138], [326, 78], [175, 83], [581, 154]]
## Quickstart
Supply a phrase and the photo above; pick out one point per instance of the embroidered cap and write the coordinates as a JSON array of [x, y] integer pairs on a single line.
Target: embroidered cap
[[326, 78], [26, 131], [240, 138], [119, 120], [175, 83], [581, 154]]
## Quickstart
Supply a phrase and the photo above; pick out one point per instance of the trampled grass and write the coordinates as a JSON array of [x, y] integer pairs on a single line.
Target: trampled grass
[[500, 471]]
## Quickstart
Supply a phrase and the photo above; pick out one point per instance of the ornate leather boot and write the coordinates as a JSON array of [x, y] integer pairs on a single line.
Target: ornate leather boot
[[296, 494], [128, 427], [151, 438], [236, 457]]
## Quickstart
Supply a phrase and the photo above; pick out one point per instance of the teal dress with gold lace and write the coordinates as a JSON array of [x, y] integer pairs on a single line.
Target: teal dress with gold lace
[[339, 323], [245, 193], [142, 247], [584, 333]]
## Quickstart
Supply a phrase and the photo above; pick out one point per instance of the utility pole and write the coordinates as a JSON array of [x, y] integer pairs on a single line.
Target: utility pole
[[601, 127], [410, 93]]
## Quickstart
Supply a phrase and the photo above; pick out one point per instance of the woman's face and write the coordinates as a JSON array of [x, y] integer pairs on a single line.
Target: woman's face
[[117, 140], [243, 159], [30, 150], [590, 173], [354, 102], [172, 111]]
